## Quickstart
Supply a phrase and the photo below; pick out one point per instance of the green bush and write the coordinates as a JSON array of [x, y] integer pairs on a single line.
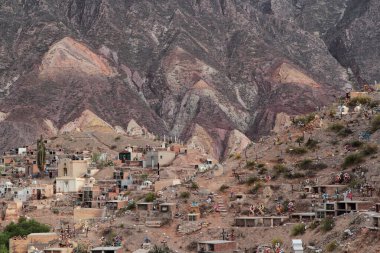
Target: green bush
[[314, 225], [150, 197], [185, 195], [296, 150], [353, 159], [304, 120], [194, 186], [305, 164], [280, 169], [375, 124], [55, 211], [24, 227], [295, 175], [298, 229], [131, 205], [276, 241], [363, 100], [223, 187], [255, 188], [355, 143], [237, 156], [300, 140], [250, 164], [311, 143], [345, 132], [308, 164], [327, 224], [369, 149], [252, 180], [336, 127], [331, 246], [262, 171]]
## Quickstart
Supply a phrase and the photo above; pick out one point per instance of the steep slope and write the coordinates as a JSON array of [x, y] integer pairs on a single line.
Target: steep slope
[[170, 64]]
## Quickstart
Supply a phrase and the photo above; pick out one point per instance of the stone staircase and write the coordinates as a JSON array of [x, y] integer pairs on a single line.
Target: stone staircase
[[221, 205]]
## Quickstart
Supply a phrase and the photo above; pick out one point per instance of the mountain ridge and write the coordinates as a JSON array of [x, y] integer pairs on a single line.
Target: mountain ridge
[[154, 52]]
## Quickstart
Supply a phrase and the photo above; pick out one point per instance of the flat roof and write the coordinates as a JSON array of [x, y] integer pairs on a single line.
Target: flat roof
[[261, 217], [216, 242], [330, 185], [106, 248], [58, 249], [51, 233], [304, 214], [353, 201], [168, 204]]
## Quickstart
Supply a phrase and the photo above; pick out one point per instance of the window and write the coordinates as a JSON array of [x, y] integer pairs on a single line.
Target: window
[[160, 156], [65, 171]]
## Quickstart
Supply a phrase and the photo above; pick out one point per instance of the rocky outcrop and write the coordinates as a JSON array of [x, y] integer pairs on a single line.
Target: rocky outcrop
[[68, 57], [236, 143], [87, 122]]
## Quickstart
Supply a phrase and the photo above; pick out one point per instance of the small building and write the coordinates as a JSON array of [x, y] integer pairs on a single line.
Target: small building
[[304, 217], [21, 194], [91, 196], [58, 250], [69, 184], [168, 209], [20, 244], [343, 207], [41, 191], [297, 246], [116, 204], [69, 175], [6, 187], [220, 246], [329, 189], [162, 157], [376, 221], [21, 151], [129, 155], [194, 213], [72, 168], [144, 208], [258, 221], [107, 250]]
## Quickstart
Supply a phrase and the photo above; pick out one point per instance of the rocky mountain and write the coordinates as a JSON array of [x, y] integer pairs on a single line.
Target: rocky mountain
[[178, 66]]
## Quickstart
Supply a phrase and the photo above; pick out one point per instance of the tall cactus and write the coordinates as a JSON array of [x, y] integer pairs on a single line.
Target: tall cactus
[[41, 154]]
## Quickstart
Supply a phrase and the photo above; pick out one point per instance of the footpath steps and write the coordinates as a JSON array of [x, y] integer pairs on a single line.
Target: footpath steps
[[221, 206]]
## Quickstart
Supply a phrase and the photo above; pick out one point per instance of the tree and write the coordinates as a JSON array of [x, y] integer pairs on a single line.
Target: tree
[[3, 249], [95, 157], [41, 154], [24, 227]]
